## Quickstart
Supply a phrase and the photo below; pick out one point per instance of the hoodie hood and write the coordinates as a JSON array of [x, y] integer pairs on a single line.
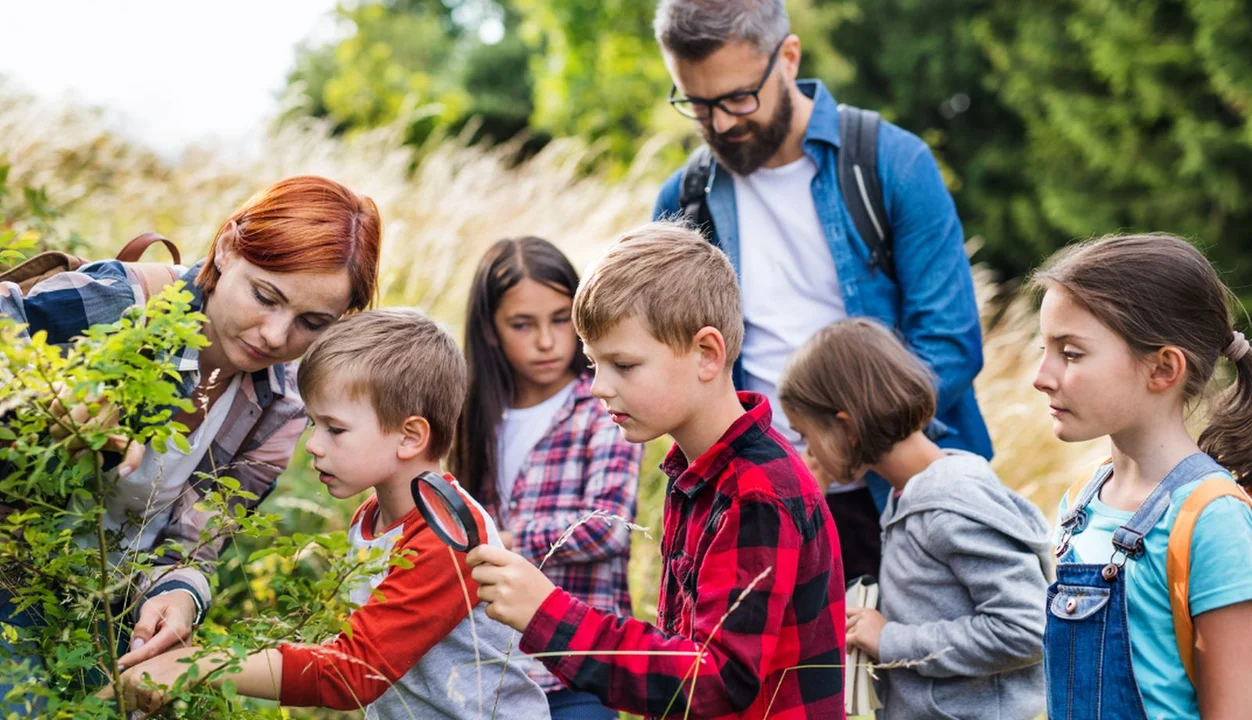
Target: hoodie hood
[[965, 484]]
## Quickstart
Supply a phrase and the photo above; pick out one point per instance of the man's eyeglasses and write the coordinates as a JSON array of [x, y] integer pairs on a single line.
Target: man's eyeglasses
[[740, 102]]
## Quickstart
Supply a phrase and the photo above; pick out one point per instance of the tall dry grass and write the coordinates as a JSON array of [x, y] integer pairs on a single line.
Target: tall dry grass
[[441, 207]]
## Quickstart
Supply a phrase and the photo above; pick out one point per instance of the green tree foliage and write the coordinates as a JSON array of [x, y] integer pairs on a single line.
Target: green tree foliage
[[65, 567], [1051, 121], [599, 73], [920, 63], [421, 59], [1137, 115]]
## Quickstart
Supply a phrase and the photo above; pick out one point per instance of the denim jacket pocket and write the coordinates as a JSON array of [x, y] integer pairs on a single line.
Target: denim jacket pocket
[[1077, 603]]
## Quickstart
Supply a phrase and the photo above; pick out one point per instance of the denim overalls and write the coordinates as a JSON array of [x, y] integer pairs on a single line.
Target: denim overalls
[[1086, 654]]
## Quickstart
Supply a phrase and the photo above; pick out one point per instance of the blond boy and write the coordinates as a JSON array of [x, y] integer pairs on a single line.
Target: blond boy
[[750, 617], [383, 390]]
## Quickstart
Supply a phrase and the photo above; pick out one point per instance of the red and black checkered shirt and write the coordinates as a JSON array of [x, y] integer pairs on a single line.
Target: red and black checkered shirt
[[745, 513]]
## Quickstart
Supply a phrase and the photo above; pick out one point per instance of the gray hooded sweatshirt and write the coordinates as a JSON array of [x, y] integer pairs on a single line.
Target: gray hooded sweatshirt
[[964, 576]]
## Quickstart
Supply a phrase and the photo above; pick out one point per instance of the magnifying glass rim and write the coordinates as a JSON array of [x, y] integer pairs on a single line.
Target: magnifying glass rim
[[457, 503]]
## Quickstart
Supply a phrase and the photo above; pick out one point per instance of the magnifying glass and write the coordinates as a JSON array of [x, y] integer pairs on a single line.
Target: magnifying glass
[[445, 511]]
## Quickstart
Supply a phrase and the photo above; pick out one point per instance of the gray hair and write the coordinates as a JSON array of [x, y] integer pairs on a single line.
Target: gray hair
[[695, 29]]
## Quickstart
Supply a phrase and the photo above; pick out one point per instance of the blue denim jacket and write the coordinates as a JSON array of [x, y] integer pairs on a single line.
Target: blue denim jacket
[[932, 305]]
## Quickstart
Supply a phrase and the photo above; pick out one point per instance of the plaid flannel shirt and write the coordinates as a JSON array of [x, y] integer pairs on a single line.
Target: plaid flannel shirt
[[745, 513], [580, 465], [255, 443]]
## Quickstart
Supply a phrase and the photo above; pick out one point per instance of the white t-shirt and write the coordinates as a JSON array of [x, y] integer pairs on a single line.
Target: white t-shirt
[[150, 491], [517, 434], [788, 277]]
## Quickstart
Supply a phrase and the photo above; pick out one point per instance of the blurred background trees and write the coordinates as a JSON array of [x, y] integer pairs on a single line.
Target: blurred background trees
[[1051, 121]]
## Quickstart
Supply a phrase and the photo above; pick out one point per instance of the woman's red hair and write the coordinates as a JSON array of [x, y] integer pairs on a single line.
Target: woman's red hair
[[305, 224]]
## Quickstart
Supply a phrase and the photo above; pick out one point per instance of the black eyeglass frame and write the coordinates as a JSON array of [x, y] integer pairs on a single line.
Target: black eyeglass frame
[[719, 101]]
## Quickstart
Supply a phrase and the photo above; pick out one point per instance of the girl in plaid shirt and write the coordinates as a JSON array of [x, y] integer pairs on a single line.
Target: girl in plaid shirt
[[534, 447]]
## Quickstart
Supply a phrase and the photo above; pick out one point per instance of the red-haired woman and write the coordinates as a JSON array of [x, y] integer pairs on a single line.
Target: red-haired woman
[[286, 265]]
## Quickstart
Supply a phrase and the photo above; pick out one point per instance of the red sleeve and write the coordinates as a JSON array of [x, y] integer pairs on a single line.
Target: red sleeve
[[655, 678], [420, 606]]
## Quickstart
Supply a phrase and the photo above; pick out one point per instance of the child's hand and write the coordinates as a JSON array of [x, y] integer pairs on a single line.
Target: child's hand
[[146, 683], [865, 628], [512, 587]]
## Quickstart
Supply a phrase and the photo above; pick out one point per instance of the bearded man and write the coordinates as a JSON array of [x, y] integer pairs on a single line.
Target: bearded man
[[771, 194]]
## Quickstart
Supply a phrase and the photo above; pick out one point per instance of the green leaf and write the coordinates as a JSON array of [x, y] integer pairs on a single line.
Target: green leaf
[[262, 553]]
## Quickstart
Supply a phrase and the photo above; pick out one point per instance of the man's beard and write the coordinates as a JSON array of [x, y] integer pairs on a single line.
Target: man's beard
[[744, 157]]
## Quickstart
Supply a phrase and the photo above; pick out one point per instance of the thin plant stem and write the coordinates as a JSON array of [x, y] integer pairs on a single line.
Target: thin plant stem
[[693, 670], [119, 694], [564, 538], [478, 660]]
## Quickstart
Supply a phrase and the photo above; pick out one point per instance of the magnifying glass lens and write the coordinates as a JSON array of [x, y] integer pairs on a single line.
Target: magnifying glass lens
[[442, 514]]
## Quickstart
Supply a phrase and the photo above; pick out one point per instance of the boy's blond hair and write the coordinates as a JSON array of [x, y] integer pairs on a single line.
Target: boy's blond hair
[[671, 278], [405, 363]]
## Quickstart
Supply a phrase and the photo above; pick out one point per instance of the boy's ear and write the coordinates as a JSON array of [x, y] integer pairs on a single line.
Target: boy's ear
[[1167, 367], [711, 348], [415, 438]]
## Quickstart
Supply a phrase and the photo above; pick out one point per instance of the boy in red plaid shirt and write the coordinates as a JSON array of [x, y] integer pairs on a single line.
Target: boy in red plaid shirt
[[750, 619]]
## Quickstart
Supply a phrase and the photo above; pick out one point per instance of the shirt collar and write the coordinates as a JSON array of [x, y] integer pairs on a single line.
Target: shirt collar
[[689, 479], [824, 122]]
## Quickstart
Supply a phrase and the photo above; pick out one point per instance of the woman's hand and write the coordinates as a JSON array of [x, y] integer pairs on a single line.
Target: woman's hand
[[865, 628], [78, 414], [164, 622]]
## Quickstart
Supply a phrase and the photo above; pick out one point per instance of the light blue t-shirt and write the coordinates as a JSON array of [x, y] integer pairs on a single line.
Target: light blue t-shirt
[[1221, 575]]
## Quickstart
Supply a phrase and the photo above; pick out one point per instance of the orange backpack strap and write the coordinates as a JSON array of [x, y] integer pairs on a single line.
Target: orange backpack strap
[[1178, 562]]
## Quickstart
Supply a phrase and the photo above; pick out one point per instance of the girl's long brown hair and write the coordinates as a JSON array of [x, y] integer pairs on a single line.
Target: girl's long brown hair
[[506, 263], [1157, 290]]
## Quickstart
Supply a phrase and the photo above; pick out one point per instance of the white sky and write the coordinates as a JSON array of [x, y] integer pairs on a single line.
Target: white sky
[[169, 72]]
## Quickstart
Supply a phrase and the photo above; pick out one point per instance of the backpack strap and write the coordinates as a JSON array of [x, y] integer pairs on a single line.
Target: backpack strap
[[153, 276], [39, 267], [695, 189], [1178, 563], [860, 185], [133, 250]]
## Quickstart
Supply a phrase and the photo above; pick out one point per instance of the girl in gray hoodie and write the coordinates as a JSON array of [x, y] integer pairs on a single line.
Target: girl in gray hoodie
[[965, 560]]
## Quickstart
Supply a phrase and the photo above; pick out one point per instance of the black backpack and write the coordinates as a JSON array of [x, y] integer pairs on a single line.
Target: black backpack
[[858, 174]]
